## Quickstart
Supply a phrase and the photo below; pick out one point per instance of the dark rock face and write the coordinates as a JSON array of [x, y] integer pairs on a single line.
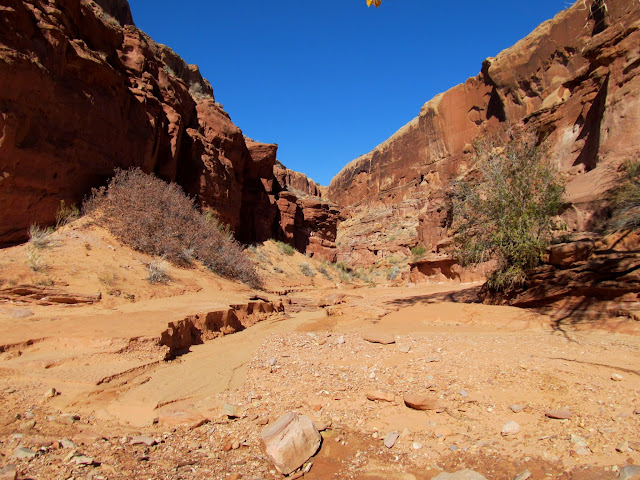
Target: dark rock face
[[574, 81], [588, 279], [83, 91]]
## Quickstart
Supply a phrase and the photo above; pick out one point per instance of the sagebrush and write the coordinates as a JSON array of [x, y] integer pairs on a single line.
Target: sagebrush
[[158, 218], [508, 214]]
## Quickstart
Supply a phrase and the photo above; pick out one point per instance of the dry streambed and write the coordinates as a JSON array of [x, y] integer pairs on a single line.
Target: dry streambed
[[421, 398]]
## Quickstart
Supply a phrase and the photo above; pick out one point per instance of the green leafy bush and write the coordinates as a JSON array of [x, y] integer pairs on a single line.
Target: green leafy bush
[[285, 248], [418, 251], [158, 218], [508, 213]]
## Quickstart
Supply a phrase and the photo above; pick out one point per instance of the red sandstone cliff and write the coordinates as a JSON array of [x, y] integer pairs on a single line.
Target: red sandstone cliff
[[575, 81], [83, 91]]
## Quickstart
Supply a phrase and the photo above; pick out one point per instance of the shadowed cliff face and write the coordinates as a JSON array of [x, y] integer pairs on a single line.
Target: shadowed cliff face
[[575, 81], [83, 91]]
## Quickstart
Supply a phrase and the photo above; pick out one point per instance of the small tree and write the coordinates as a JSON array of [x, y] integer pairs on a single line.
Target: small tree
[[507, 214]]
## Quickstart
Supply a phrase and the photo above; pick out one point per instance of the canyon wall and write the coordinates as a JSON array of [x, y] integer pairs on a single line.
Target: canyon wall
[[574, 82], [83, 91]]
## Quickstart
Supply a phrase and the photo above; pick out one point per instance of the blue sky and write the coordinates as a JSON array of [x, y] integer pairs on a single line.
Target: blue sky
[[330, 80]]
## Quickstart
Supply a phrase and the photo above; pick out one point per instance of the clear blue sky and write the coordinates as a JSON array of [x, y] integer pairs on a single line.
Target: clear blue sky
[[330, 80]]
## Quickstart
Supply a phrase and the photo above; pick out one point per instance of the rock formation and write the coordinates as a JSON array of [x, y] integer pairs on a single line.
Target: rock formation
[[83, 91], [583, 279], [573, 81]]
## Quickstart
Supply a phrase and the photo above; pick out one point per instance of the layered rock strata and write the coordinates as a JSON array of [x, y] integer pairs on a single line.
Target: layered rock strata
[[83, 91], [573, 81]]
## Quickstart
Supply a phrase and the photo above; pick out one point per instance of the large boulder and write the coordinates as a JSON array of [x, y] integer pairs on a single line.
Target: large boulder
[[290, 441]]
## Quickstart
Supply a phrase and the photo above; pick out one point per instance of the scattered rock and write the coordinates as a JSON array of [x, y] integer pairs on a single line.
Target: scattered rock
[[390, 439], [378, 337], [379, 396], [332, 299], [523, 476], [290, 441], [417, 445], [28, 425], [516, 408], [464, 393], [66, 443], [80, 459], [461, 475], [630, 472], [9, 472], [321, 425], [616, 377], [87, 437], [583, 451], [230, 411], [421, 402], [510, 428], [52, 392], [24, 452], [404, 348], [578, 441], [559, 414], [142, 440], [442, 431]]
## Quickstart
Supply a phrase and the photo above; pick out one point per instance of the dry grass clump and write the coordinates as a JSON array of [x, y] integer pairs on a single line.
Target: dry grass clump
[[39, 237], [157, 271], [307, 270], [159, 219]]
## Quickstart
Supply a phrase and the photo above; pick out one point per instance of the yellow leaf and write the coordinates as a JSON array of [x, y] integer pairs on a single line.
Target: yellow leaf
[[369, 3]]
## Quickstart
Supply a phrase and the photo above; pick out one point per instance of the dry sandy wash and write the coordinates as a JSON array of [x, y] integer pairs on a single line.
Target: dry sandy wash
[[142, 375]]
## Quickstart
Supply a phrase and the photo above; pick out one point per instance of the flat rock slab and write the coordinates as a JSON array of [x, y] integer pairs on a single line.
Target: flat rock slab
[[461, 475], [382, 338], [24, 452], [630, 472], [559, 414], [380, 396], [421, 402], [9, 472], [142, 440], [290, 441]]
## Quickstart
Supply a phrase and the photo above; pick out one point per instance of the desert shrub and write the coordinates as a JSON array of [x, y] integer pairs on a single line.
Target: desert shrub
[[307, 270], [157, 271], [39, 237], [393, 272], [66, 214], [285, 248], [342, 266], [197, 92], [35, 259], [507, 214], [626, 199], [108, 277], [158, 218], [418, 251], [323, 270]]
